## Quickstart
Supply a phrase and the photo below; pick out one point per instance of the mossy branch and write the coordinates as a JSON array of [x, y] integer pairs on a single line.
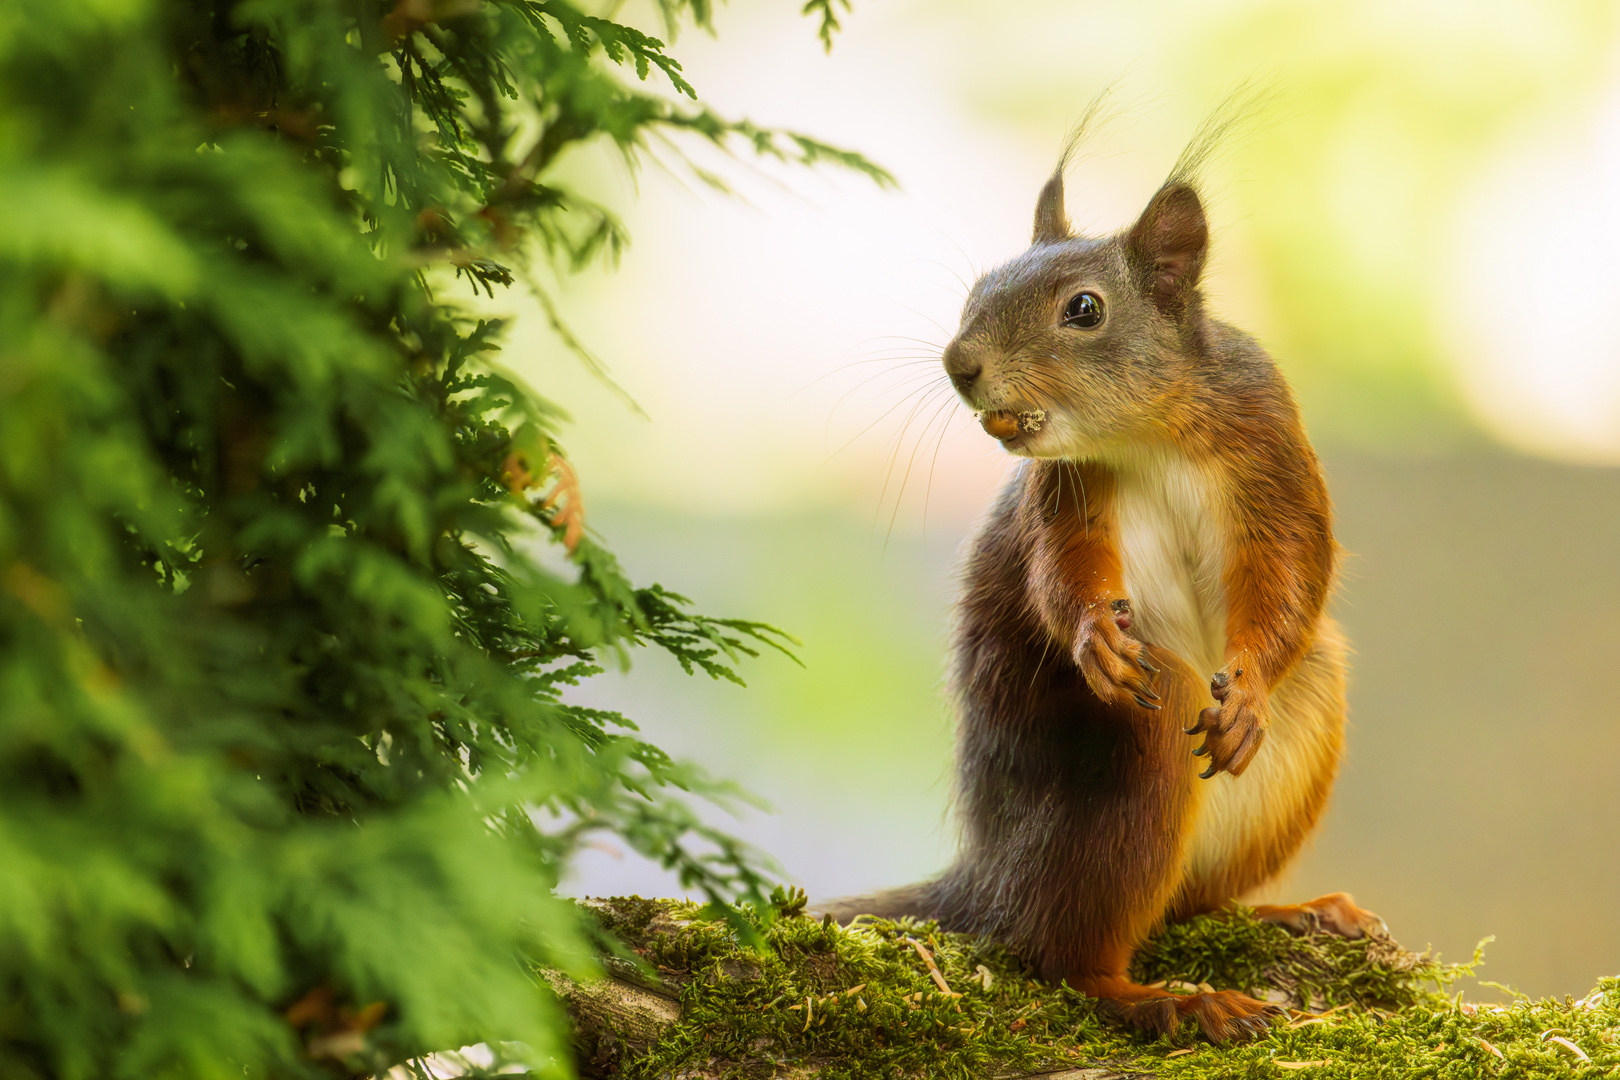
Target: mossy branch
[[903, 999]]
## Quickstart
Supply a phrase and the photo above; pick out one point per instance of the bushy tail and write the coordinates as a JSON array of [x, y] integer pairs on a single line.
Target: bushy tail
[[919, 901]]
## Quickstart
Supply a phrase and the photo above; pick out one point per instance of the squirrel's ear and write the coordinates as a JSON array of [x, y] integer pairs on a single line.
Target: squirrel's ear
[[1166, 246], [1051, 222]]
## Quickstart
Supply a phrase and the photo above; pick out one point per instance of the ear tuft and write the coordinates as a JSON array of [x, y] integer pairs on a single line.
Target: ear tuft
[[1051, 221], [1167, 246]]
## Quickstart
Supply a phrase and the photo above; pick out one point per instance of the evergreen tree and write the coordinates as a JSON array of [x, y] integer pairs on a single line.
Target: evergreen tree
[[286, 777]]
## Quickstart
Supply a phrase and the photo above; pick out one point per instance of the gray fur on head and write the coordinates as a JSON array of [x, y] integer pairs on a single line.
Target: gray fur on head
[[1014, 351]]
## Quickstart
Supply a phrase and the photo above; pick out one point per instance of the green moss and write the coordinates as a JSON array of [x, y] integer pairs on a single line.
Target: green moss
[[861, 1002], [1451, 1040], [1233, 950]]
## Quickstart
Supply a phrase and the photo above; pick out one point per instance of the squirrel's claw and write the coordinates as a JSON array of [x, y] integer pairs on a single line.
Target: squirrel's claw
[[1234, 729], [1207, 721], [1114, 664]]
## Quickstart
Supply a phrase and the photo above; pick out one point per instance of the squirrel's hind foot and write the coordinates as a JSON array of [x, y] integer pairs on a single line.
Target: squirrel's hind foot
[[1227, 1015], [1335, 913], [1223, 1015]]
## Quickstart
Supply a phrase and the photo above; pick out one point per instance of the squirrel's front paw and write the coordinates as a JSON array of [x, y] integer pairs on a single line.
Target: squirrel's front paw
[[1234, 729], [1115, 665]]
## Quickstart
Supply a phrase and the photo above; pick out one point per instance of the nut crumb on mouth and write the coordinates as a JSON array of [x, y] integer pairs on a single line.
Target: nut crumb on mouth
[[1005, 424]]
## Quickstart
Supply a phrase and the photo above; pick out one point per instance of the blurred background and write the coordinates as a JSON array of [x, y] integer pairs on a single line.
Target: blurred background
[[1423, 229]]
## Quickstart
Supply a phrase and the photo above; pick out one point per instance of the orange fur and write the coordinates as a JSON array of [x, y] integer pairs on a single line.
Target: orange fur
[[1337, 913]]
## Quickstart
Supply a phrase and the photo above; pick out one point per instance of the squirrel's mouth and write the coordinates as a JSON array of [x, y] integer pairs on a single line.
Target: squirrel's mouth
[[1006, 425]]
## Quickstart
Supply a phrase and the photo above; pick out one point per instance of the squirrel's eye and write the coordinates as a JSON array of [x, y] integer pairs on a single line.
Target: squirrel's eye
[[1084, 310]]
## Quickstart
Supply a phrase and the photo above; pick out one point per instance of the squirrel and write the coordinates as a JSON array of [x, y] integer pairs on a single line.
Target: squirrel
[[1157, 569]]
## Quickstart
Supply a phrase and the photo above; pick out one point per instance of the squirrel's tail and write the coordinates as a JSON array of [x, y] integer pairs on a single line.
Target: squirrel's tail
[[923, 900]]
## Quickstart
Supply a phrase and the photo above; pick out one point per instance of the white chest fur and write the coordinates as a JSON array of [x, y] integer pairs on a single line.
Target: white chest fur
[[1171, 525]]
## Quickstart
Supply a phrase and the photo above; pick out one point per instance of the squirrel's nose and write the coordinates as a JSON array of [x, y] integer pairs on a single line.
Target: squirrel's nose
[[962, 366]]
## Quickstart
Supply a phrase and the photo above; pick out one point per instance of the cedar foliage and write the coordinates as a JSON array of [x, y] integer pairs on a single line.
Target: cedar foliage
[[286, 777]]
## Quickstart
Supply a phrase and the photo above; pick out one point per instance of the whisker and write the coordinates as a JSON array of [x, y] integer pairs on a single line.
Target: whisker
[[904, 480], [913, 340], [881, 358], [895, 361], [888, 468], [926, 399], [960, 280], [920, 314], [912, 377], [1085, 504], [966, 288], [1044, 650], [878, 375], [928, 491], [922, 441], [896, 354], [894, 456], [972, 269], [1046, 383], [876, 422]]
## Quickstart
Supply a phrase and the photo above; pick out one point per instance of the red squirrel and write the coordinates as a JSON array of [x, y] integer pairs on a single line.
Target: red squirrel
[[1146, 597]]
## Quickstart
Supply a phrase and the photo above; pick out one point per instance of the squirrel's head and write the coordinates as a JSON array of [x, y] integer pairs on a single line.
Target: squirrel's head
[[1073, 345]]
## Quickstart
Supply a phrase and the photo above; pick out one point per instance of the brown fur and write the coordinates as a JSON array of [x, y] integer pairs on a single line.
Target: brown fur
[[1085, 820]]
